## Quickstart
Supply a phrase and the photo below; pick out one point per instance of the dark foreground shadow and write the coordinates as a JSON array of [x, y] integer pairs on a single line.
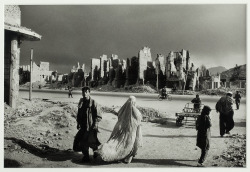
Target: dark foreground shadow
[[164, 162], [179, 136], [10, 163], [171, 123], [51, 154], [165, 122], [169, 136]]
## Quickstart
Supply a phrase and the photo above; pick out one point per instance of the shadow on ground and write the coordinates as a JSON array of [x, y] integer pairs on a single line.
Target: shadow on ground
[[180, 136], [51, 154], [171, 123], [240, 124], [165, 122], [167, 162], [10, 163]]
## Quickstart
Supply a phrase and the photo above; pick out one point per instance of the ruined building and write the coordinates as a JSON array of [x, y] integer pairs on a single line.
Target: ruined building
[[14, 34], [106, 70], [76, 77], [179, 72], [172, 70], [40, 72], [145, 65]]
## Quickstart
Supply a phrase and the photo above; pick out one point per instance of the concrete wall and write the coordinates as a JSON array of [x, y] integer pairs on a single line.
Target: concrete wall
[[12, 15]]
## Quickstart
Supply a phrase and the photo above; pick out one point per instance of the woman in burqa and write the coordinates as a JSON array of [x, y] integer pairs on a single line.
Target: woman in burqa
[[126, 136]]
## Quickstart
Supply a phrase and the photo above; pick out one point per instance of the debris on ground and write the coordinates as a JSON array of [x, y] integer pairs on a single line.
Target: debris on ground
[[235, 155]]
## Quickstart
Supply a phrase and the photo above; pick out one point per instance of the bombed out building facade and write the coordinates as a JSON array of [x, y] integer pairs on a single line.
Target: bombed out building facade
[[173, 70]]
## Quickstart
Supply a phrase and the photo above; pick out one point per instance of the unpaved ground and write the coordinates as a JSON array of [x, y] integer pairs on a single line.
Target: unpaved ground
[[40, 134]]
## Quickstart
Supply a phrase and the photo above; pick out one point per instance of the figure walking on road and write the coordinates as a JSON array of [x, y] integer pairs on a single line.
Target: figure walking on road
[[203, 124], [237, 98], [88, 117], [70, 92], [225, 107], [126, 137]]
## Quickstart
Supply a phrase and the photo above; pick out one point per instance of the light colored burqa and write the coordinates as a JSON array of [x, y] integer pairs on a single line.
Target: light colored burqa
[[126, 137]]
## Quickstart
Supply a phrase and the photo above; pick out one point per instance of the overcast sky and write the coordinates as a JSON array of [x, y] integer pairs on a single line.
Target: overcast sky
[[215, 35]]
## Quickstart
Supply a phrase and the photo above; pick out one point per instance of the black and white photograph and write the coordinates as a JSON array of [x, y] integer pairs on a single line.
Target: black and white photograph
[[130, 84]]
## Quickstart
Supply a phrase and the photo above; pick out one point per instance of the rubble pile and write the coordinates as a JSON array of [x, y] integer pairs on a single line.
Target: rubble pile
[[236, 151], [235, 155], [223, 91], [149, 114], [131, 88], [48, 125], [36, 84], [57, 118], [113, 110], [25, 108], [106, 88], [70, 109], [143, 89]]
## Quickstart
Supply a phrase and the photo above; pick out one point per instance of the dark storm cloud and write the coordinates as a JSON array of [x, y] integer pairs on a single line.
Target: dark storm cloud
[[70, 34]]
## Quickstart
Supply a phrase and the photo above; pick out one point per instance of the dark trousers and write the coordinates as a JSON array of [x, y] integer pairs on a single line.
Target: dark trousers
[[86, 144], [237, 104], [226, 122], [203, 156]]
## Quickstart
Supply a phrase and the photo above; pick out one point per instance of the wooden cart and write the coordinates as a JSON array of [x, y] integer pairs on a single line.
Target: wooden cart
[[188, 112]]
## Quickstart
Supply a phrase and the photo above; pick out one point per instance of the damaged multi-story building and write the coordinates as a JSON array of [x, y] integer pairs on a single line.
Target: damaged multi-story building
[[76, 77], [180, 72], [174, 70], [40, 73]]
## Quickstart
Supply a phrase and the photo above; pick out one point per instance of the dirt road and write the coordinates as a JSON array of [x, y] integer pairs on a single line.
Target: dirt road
[[35, 141]]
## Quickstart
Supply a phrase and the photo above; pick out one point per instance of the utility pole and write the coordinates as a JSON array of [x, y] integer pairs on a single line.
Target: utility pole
[[185, 83], [31, 67], [157, 82]]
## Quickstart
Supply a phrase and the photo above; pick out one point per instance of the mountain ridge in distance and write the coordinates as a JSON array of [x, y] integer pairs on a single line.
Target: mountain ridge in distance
[[218, 69]]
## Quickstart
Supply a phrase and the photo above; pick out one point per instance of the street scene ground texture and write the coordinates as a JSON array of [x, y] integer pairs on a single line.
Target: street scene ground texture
[[40, 133]]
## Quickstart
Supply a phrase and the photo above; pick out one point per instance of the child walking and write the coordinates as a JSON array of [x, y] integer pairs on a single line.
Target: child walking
[[203, 125]]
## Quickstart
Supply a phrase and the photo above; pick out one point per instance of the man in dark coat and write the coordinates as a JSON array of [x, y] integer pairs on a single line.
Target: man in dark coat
[[88, 118], [225, 107], [237, 98], [203, 124], [197, 103]]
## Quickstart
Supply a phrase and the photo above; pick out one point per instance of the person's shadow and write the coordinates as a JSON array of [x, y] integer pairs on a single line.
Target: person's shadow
[[51, 154], [44, 151], [164, 162]]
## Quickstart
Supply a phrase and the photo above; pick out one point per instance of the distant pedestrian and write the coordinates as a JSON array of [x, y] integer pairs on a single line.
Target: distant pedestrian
[[237, 98], [197, 103], [164, 92], [203, 124], [225, 107], [70, 92]]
